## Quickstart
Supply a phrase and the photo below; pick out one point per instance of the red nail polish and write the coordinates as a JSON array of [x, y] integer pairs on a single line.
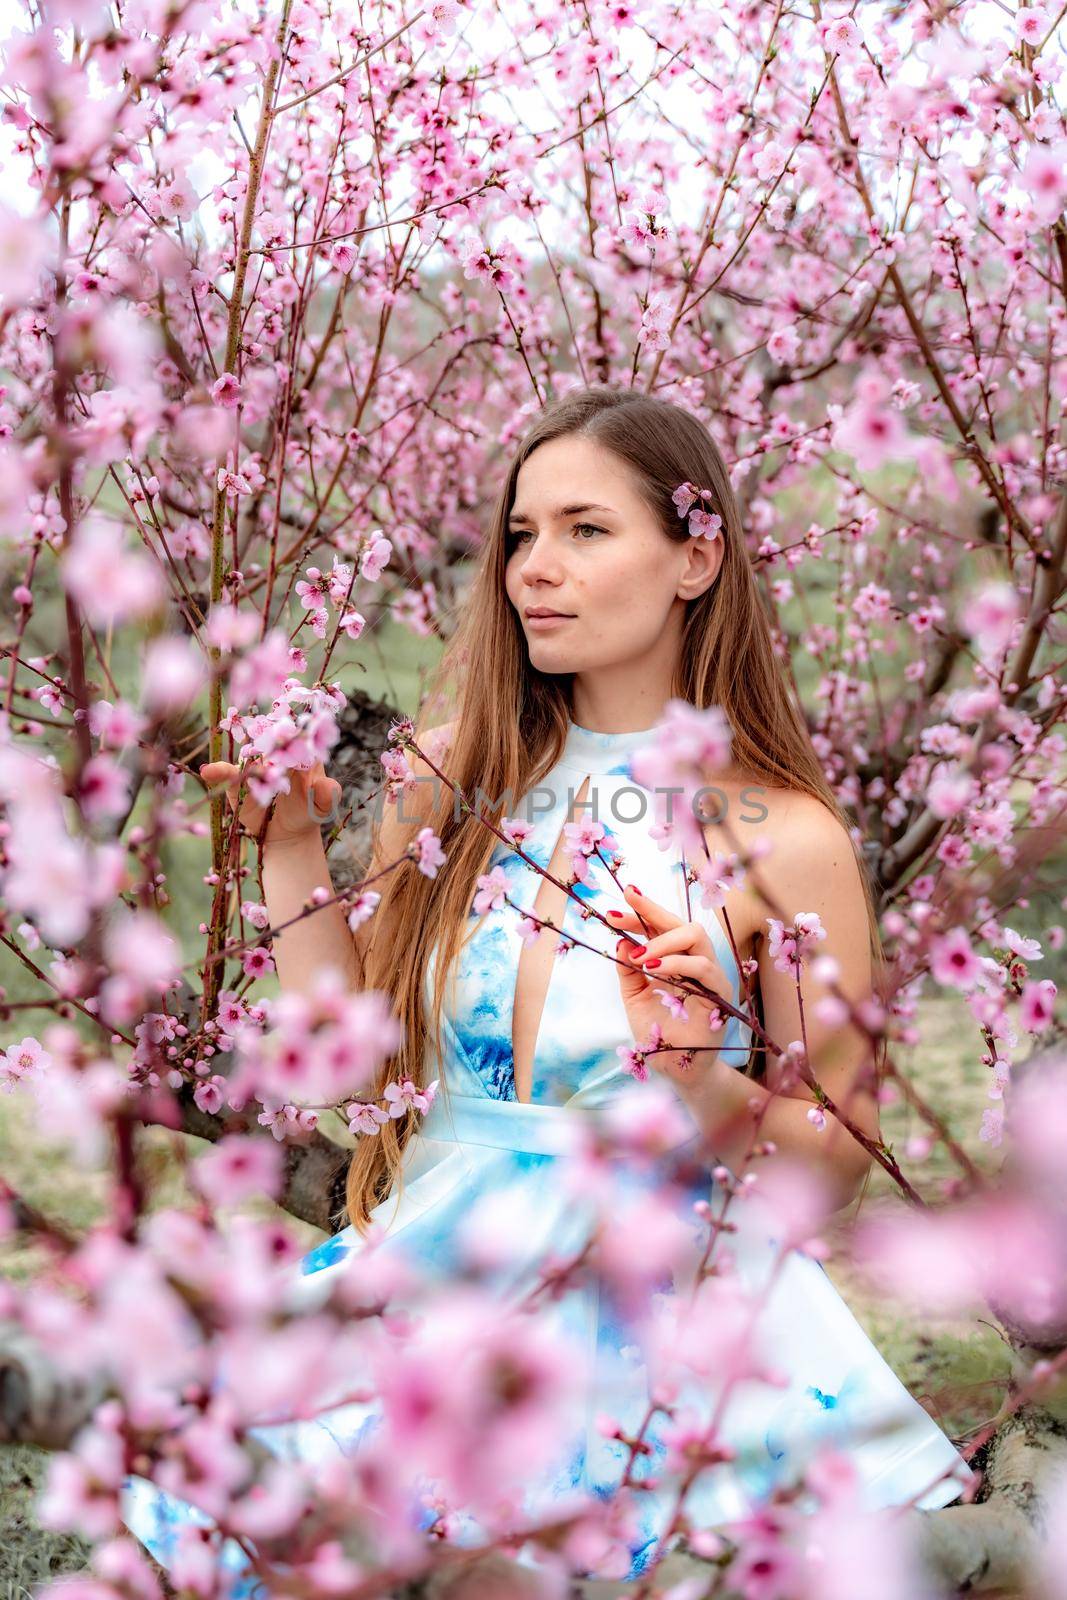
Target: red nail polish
[[615, 913], [653, 962], [638, 950]]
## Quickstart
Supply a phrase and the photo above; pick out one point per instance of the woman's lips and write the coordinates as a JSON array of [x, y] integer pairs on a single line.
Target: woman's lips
[[542, 624]]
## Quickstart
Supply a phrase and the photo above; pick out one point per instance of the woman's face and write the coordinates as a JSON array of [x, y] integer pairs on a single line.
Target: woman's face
[[582, 542]]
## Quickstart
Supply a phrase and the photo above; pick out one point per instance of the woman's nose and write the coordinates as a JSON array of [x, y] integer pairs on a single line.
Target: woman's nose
[[541, 562]]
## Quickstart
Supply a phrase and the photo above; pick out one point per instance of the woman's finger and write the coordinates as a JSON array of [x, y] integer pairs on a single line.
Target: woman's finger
[[656, 916], [687, 939], [217, 773], [624, 919], [214, 772], [325, 793], [706, 972], [632, 981]]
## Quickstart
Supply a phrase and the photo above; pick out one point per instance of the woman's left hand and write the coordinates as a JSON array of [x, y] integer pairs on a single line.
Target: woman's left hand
[[683, 950]]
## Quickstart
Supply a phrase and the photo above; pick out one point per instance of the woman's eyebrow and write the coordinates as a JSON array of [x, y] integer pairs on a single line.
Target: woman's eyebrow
[[564, 511]]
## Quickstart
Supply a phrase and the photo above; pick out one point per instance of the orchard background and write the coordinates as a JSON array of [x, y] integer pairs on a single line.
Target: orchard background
[[279, 290]]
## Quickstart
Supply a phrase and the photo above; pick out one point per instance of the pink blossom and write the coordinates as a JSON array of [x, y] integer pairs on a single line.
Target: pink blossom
[[582, 839], [207, 1466], [872, 603], [375, 557], [25, 249], [226, 391], [405, 1096], [232, 482], [365, 1117], [111, 582], [673, 1002], [343, 256], [55, 879], [104, 789], [115, 724], [1044, 176], [684, 751], [950, 789], [705, 524], [203, 432], [363, 907], [287, 1122], [322, 1046], [256, 962], [1020, 945], [274, 1504], [654, 332], [19, 1061], [1039, 1124], [255, 912], [1036, 1009], [492, 888], [430, 855], [632, 1061], [870, 430], [443, 18], [210, 1093], [792, 946], [173, 673], [240, 1168], [478, 1397], [499, 267], [81, 1489], [953, 961], [992, 1129], [260, 675], [708, 1333], [1031, 24], [140, 948], [516, 830], [231, 1012], [667, 1244], [230, 628], [312, 590], [989, 618], [843, 1537], [783, 344]]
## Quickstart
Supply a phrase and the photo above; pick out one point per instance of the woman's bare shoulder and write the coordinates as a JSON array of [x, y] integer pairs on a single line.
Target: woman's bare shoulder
[[811, 846], [800, 841]]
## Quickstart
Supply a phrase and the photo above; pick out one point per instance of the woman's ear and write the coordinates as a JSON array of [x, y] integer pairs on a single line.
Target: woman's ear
[[702, 567]]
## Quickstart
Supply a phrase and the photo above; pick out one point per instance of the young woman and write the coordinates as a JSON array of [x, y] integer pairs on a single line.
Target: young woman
[[595, 607]]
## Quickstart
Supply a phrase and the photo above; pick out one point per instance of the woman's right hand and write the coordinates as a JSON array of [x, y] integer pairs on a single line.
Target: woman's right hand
[[297, 815]]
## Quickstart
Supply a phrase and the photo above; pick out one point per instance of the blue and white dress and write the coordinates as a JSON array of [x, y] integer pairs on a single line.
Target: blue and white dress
[[479, 1140]]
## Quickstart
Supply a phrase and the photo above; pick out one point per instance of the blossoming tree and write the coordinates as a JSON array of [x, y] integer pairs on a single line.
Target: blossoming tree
[[275, 287]]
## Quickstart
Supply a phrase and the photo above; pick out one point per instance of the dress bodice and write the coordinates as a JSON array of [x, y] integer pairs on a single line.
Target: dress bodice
[[583, 1023]]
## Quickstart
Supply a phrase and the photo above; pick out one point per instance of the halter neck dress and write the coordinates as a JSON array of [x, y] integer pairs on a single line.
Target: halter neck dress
[[479, 1140]]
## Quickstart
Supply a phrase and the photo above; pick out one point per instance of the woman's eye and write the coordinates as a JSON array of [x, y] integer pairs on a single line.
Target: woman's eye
[[517, 535]]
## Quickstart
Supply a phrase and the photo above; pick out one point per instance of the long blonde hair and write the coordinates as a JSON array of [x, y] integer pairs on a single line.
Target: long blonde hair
[[511, 722]]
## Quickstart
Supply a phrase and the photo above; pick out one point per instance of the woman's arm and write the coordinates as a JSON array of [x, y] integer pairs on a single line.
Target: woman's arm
[[812, 868], [292, 869]]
